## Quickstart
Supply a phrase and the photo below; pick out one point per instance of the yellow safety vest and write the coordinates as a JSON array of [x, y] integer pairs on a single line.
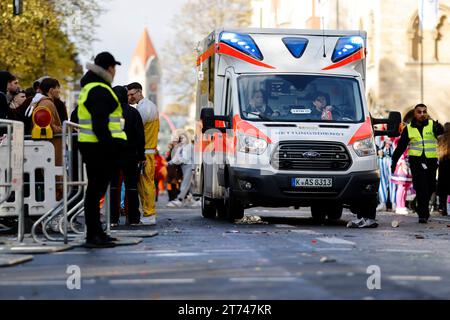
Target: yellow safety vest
[[115, 124], [419, 144]]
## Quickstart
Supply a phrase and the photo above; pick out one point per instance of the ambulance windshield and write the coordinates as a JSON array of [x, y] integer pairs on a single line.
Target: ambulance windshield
[[300, 98]]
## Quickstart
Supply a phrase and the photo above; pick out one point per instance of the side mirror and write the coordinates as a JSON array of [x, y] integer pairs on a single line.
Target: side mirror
[[394, 121], [393, 125], [207, 118]]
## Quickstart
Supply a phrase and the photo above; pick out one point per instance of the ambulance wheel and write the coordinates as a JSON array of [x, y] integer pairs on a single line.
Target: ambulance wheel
[[334, 212], [208, 208], [318, 213], [233, 208], [221, 210], [208, 205]]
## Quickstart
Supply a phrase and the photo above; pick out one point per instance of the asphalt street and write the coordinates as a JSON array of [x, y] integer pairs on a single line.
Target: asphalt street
[[284, 256]]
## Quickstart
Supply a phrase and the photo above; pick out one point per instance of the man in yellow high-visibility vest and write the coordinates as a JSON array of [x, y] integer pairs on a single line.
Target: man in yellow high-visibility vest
[[100, 139], [420, 136], [150, 118]]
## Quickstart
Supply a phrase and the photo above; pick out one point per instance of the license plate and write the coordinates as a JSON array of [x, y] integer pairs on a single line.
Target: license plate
[[312, 182]]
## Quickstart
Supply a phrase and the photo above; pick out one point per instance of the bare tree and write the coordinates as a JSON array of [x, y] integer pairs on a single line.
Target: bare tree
[[197, 19], [78, 20]]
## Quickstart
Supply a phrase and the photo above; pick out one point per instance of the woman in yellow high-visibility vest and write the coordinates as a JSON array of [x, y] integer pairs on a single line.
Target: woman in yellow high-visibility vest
[[421, 138]]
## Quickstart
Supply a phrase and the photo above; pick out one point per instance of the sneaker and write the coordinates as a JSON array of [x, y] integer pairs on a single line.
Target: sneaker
[[369, 223], [196, 204], [381, 207], [403, 211], [149, 221], [355, 223], [175, 204], [362, 223]]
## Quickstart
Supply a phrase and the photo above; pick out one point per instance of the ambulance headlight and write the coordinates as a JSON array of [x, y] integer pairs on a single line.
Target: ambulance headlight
[[364, 147], [249, 144]]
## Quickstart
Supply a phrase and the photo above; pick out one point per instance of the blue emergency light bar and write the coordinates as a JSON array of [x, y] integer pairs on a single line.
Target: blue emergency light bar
[[243, 43], [346, 46], [296, 46]]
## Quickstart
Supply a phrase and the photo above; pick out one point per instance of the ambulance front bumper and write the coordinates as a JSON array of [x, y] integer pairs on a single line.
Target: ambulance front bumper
[[255, 187]]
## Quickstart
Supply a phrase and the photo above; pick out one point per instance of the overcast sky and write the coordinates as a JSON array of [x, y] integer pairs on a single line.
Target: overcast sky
[[121, 26]]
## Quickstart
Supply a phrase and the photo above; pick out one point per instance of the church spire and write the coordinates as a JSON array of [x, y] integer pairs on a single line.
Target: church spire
[[145, 49]]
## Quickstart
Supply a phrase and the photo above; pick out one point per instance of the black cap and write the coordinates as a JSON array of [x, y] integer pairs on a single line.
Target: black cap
[[106, 60]]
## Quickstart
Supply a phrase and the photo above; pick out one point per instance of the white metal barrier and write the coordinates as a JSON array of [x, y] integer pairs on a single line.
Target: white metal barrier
[[32, 164], [40, 174], [5, 162], [60, 208], [11, 169]]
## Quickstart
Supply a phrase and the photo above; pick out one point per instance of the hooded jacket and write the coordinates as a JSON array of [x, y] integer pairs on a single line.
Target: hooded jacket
[[4, 107], [134, 128], [100, 104]]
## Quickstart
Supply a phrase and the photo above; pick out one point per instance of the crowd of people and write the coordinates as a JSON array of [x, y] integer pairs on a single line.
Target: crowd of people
[[118, 135], [415, 167], [117, 138]]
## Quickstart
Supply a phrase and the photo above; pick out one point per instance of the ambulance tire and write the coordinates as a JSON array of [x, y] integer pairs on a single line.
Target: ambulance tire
[[331, 211], [233, 208], [318, 213], [208, 208], [221, 210], [335, 212], [208, 205]]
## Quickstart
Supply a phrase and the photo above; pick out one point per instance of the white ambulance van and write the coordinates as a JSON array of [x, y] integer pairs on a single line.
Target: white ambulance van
[[282, 121]]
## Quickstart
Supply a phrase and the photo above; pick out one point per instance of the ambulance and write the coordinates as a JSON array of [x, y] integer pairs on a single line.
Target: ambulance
[[282, 120]]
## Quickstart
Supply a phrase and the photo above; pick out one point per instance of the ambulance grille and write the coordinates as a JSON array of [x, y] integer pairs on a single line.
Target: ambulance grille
[[311, 156]]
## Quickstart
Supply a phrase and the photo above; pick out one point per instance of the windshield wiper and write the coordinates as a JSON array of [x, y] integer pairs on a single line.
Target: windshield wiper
[[260, 115]]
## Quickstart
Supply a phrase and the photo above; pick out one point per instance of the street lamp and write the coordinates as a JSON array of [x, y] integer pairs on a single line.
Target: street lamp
[[17, 7]]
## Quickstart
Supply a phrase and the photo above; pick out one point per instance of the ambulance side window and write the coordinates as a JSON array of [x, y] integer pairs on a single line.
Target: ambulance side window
[[228, 99], [211, 67]]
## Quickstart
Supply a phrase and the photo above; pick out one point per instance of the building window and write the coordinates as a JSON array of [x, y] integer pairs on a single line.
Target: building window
[[415, 40], [442, 38], [436, 42]]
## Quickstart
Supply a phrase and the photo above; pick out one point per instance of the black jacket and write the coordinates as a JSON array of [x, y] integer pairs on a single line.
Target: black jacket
[[404, 141], [4, 107], [100, 104], [134, 128]]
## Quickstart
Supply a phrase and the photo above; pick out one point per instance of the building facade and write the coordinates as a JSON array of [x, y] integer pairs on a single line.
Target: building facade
[[395, 68], [145, 68]]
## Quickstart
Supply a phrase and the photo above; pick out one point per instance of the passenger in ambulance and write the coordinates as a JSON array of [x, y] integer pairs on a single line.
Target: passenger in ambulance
[[258, 105], [321, 110]]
